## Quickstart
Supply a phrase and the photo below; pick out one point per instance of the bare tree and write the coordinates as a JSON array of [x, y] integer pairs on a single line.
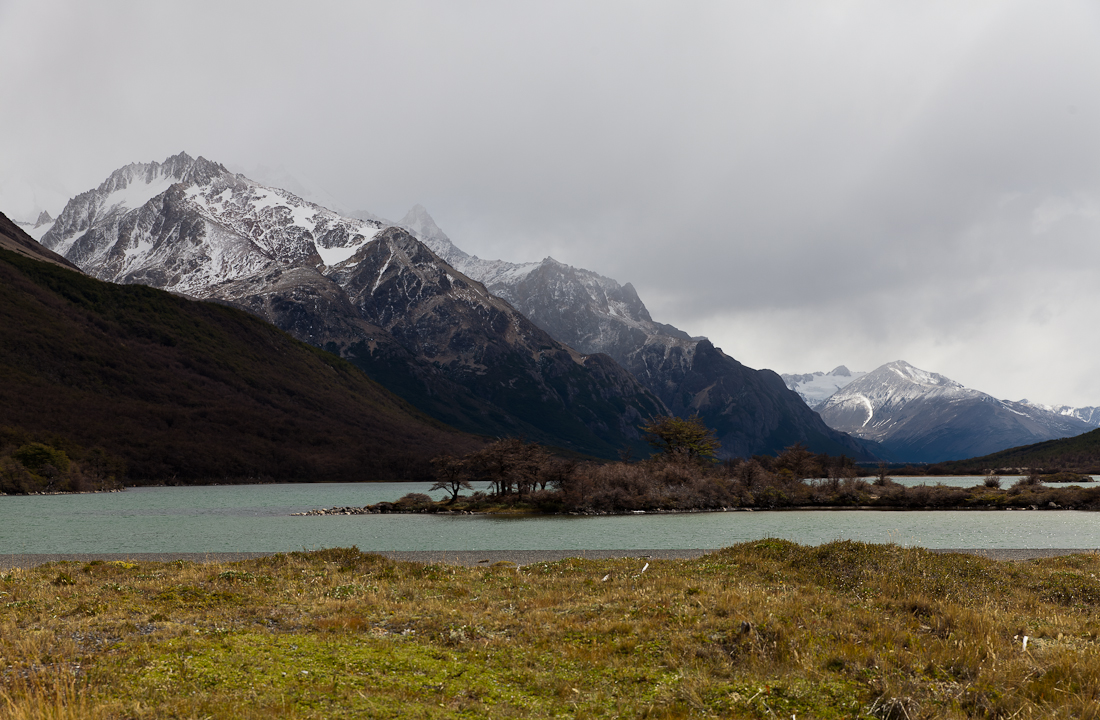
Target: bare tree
[[453, 476]]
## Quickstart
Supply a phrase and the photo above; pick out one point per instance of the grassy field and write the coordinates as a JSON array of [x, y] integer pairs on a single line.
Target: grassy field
[[767, 629]]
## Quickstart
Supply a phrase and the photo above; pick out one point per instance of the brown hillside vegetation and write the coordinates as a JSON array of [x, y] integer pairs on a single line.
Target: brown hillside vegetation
[[188, 392]]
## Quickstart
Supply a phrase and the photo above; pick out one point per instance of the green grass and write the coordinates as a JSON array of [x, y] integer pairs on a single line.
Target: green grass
[[759, 630]]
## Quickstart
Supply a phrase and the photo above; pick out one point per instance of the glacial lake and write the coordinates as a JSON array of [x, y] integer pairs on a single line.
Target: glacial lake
[[257, 518]]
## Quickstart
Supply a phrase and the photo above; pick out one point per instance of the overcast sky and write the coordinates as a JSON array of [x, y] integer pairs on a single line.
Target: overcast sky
[[806, 183]]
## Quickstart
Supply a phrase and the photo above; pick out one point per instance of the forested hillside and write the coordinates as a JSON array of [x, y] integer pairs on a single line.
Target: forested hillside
[[186, 391]]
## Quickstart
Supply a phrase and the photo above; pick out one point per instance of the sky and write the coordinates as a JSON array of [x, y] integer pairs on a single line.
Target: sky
[[808, 184]]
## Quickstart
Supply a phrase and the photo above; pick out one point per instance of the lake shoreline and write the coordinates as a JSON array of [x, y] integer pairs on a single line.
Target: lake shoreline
[[519, 513], [485, 558]]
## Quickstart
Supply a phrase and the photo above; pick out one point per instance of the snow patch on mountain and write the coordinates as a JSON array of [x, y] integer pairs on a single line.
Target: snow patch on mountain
[[888, 389], [133, 194]]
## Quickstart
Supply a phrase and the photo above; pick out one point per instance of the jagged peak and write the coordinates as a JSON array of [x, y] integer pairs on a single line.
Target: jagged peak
[[180, 167], [396, 233]]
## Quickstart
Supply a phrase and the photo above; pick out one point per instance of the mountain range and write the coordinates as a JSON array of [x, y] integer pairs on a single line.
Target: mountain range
[[920, 416], [373, 294], [543, 350]]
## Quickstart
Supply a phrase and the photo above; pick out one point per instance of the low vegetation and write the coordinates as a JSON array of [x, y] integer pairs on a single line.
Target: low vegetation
[[767, 629], [685, 476]]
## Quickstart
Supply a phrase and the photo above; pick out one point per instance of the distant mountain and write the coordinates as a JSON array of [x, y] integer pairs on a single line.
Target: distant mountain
[[1087, 415], [920, 416], [752, 411], [373, 294], [815, 388], [188, 391]]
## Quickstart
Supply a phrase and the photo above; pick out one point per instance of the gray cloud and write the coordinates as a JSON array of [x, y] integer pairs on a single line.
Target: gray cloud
[[807, 184]]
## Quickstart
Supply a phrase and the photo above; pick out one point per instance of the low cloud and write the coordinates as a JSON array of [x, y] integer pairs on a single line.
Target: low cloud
[[808, 185]]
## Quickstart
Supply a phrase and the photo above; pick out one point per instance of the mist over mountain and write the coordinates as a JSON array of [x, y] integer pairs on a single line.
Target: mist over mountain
[[920, 416], [373, 294], [752, 411]]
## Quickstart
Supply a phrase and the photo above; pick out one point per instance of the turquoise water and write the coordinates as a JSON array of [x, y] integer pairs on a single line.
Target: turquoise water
[[256, 518], [1007, 481]]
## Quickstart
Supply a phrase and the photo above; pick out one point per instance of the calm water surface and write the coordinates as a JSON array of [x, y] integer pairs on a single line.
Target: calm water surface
[[256, 518]]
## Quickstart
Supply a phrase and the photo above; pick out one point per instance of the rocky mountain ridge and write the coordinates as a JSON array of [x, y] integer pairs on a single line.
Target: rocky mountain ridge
[[1089, 415], [752, 411], [373, 294]]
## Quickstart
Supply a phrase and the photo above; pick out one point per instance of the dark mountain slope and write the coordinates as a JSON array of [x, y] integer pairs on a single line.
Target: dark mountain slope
[[15, 239], [752, 411], [189, 391], [1079, 454]]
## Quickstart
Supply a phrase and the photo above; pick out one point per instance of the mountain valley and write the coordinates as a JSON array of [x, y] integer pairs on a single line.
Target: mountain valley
[[542, 350]]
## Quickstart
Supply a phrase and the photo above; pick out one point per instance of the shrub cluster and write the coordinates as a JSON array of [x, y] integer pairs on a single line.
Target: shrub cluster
[[37, 465], [525, 475]]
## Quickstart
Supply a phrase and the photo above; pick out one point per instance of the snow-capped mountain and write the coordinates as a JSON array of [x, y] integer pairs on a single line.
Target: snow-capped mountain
[[921, 416], [374, 294], [815, 388], [132, 228], [751, 410]]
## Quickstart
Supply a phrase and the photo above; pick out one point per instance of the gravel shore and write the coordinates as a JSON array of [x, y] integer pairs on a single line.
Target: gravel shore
[[477, 557]]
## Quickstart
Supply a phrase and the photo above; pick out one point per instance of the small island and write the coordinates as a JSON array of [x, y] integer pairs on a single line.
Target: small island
[[684, 475]]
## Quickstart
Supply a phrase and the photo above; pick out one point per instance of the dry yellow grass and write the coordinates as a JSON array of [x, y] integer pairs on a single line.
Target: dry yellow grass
[[761, 630]]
